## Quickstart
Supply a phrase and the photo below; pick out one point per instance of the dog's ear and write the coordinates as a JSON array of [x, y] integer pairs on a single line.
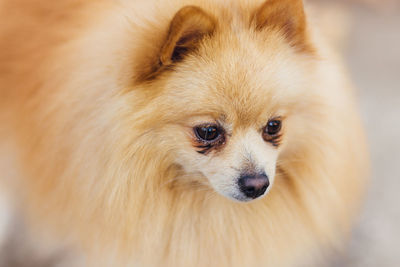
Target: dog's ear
[[189, 25], [286, 16]]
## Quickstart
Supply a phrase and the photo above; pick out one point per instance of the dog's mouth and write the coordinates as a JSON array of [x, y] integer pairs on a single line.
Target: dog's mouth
[[241, 197]]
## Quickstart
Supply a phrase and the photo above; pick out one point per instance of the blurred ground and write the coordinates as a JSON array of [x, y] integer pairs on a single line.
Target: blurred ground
[[372, 51], [373, 56]]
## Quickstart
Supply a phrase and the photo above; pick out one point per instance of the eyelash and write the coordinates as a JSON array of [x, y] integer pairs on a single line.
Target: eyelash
[[275, 140], [204, 149]]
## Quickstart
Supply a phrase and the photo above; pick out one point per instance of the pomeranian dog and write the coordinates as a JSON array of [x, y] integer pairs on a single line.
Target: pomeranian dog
[[177, 133]]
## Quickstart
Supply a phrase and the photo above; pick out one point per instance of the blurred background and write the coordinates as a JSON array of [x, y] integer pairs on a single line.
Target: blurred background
[[369, 37], [372, 53]]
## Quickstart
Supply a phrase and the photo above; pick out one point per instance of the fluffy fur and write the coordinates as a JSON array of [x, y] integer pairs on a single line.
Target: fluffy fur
[[96, 117]]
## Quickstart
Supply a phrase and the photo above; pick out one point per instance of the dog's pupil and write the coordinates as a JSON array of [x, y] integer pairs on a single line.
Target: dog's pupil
[[273, 127], [208, 133]]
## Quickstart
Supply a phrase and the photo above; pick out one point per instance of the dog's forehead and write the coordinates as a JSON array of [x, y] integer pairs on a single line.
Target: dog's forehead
[[248, 80], [240, 77]]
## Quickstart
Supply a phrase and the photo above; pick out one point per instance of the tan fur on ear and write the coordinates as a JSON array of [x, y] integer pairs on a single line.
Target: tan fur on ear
[[189, 25], [286, 16], [163, 47]]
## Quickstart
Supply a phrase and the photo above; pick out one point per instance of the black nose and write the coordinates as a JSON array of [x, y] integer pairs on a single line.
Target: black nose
[[253, 185]]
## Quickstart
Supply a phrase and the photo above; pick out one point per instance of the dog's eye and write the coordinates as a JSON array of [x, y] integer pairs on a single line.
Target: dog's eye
[[207, 133], [273, 127]]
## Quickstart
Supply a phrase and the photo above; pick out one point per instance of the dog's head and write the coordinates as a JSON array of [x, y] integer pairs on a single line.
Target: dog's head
[[229, 87]]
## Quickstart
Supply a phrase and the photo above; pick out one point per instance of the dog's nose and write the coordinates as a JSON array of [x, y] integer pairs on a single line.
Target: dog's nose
[[253, 185]]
